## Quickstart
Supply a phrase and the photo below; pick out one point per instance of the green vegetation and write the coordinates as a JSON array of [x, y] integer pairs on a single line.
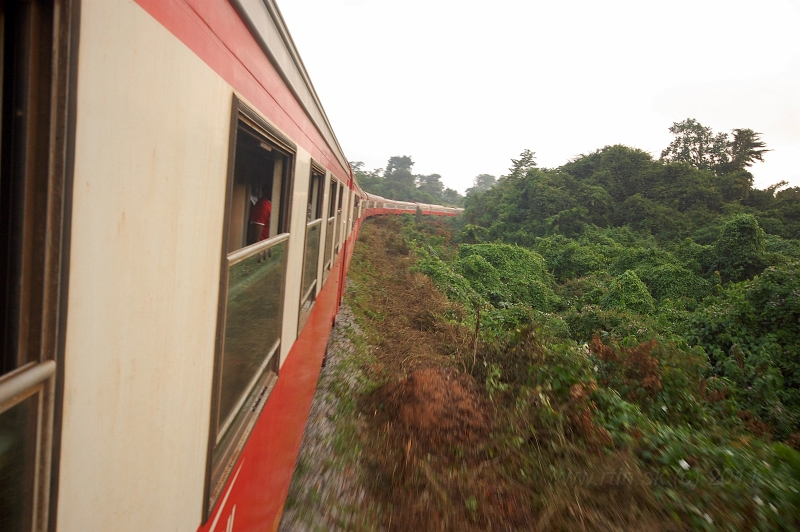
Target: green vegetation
[[645, 308], [397, 182]]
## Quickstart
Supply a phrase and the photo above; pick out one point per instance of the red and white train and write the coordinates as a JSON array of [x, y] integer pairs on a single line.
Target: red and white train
[[158, 357]]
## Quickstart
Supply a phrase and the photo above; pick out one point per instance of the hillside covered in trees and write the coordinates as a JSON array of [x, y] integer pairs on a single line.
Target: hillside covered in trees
[[647, 306]]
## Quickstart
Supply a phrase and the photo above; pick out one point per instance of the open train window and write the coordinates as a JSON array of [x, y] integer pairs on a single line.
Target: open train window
[[253, 275], [260, 191]]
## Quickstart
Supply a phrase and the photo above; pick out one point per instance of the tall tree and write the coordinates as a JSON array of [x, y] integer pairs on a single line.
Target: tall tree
[[482, 183], [370, 180], [398, 170], [526, 161], [746, 148], [697, 145], [431, 184], [397, 182], [452, 197], [399, 179]]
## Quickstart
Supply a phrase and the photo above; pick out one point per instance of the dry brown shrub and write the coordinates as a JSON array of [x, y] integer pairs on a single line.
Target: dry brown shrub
[[794, 440], [639, 371], [754, 424], [438, 406], [715, 396], [583, 424]]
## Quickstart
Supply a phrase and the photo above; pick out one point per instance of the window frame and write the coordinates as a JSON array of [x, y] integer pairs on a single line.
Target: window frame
[[268, 374], [308, 295], [333, 192], [39, 166], [340, 221]]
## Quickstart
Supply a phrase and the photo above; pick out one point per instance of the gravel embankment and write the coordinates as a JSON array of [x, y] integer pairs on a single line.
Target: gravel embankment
[[326, 492]]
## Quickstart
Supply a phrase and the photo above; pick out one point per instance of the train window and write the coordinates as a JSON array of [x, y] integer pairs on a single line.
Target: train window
[[260, 190], [356, 201], [251, 287], [331, 225], [308, 288], [315, 192], [35, 143]]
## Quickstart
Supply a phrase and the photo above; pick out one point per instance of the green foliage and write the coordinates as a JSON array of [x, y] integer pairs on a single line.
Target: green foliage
[[398, 182], [505, 274], [752, 333], [685, 280], [673, 282], [740, 248], [628, 292], [485, 279], [616, 186], [588, 320], [695, 257], [746, 485], [567, 259], [473, 234], [493, 382], [454, 285]]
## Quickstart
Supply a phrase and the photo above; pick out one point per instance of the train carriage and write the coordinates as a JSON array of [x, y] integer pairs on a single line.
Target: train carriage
[[178, 217]]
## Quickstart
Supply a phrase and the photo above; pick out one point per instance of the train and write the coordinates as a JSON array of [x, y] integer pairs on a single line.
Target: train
[[178, 220]]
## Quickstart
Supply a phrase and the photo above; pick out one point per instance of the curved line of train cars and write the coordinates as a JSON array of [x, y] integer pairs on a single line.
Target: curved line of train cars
[[161, 344]]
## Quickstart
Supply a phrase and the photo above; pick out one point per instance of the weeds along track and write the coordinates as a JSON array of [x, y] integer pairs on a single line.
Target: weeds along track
[[402, 437]]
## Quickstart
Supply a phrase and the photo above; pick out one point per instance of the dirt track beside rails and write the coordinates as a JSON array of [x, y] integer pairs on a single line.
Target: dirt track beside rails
[[393, 407]]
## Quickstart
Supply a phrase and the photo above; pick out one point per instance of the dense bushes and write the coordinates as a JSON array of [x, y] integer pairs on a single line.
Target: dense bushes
[[740, 248], [610, 341], [649, 306], [506, 274], [665, 251], [628, 292], [752, 334]]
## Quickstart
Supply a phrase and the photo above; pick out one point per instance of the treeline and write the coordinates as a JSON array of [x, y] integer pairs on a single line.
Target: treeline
[[398, 182], [680, 247], [689, 192]]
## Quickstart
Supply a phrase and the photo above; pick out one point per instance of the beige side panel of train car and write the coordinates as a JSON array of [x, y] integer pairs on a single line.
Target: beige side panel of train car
[[294, 270], [150, 174]]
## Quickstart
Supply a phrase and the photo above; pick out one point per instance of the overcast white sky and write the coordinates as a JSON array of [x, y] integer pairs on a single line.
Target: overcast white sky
[[464, 86]]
